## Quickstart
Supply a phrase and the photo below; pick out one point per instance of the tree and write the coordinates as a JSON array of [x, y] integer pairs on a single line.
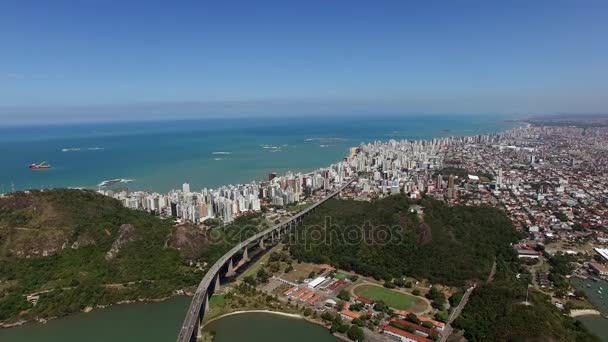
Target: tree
[[344, 295], [413, 318], [334, 327], [355, 333], [456, 298], [437, 305], [274, 267], [307, 312], [356, 307], [262, 275], [250, 280], [358, 321], [326, 316], [399, 282], [343, 328], [442, 316], [427, 325], [380, 306], [389, 285]]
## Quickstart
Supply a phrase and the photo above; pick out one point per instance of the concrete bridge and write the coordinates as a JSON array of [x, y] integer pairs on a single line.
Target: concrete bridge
[[190, 329]]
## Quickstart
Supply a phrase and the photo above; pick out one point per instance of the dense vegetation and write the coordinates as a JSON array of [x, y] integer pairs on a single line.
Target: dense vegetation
[[496, 312], [385, 239], [76, 229]]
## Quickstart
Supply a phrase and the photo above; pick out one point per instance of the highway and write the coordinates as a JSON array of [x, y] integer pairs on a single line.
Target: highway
[[188, 331]]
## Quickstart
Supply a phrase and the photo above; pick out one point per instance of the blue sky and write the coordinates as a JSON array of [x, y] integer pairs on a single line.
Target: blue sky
[[109, 59]]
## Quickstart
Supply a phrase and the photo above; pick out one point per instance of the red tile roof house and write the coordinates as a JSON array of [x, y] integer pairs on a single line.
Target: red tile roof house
[[403, 336], [420, 330], [365, 301], [599, 269], [438, 325], [349, 315]]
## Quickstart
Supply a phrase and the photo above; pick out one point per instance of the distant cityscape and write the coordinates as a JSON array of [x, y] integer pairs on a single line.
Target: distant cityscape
[[538, 174]]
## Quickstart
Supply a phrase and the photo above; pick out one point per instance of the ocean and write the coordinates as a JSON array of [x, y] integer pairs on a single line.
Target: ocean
[[161, 155]]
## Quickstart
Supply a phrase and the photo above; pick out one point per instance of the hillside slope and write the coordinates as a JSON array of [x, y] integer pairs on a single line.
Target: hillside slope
[[496, 312], [385, 239], [76, 248]]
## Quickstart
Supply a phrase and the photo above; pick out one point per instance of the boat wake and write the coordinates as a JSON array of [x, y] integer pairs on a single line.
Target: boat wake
[[111, 182], [324, 140], [272, 148], [76, 149]]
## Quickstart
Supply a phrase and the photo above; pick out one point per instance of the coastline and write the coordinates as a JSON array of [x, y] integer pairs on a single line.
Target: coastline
[[90, 309], [152, 300], [584, 312], [239, 312], [278, 313], [152, 175]]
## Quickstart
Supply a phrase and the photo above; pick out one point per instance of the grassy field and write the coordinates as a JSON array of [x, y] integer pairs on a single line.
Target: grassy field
[[217, 304], [340, 275], [394, 299], [301, 271]]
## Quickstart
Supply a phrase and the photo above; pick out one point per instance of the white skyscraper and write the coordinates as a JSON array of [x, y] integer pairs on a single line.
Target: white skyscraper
[[186, 188]]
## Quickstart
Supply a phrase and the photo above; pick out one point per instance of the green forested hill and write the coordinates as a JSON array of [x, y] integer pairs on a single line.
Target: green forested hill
[[450, 245], [77, 248], [495, 312], [55, 243]]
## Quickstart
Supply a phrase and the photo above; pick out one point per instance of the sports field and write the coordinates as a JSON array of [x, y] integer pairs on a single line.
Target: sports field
[[394, 299]]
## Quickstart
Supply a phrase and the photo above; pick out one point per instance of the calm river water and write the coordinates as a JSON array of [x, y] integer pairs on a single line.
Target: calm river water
[[267, 327], [597, 292], [159, 322], [150, 322]]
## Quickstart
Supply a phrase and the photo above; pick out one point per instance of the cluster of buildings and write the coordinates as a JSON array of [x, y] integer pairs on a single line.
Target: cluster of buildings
[[382, 168], [551, 181], [229, 202], [392, 167], [321, 292]]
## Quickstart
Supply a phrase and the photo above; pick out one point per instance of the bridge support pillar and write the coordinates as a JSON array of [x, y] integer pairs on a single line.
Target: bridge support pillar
[[230, 272], [207, 308], [199, 331], [262, 247], [217, 283], [245, 255]]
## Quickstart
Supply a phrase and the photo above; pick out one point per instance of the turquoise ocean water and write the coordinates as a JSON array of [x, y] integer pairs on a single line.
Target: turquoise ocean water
[[162, 155]]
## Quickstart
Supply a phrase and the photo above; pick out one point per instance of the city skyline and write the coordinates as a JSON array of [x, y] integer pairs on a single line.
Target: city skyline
[[106, 60]]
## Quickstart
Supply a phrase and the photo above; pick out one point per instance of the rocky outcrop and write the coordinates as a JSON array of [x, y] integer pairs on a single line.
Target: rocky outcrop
[[189, 240], [425, 234], [82, 241], [126, 233]]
